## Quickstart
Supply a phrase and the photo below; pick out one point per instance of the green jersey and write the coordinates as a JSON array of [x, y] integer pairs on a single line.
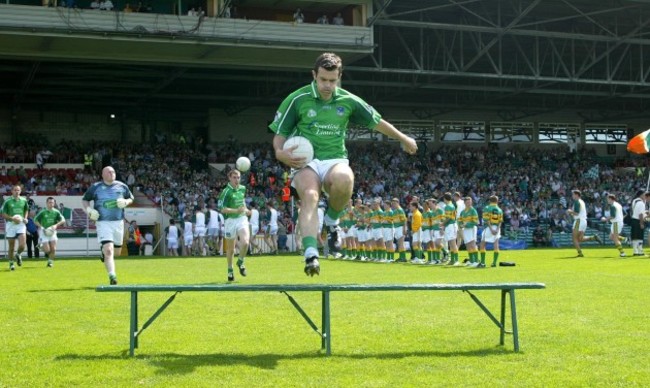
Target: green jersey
[[387, 220], [399, 217], [13, 206], [323, 123], [469, 217], [492, 215], [232, 198], [47, 218], [427, 220], [450, 214], [438, 216]]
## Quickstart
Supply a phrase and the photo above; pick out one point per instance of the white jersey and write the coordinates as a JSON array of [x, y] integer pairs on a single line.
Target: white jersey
[[172, 233], [255, 219], [273, 219], [213, 222], [618, 212], [581, 213], [460, 206], [200, 219], [638, 208], [187, 229]]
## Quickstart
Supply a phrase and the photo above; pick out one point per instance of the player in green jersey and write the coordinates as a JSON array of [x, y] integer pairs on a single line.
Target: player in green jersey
[[49, 219], [232, 205], [321, 112], [468, 221], [492, 220], [15, 211]]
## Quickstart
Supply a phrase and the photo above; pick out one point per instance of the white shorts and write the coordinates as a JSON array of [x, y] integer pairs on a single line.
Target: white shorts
[[172, 243], [417, 236], [187, 240], [343, 234], [213, 232], [322, 167], [272, 230], [580, 225], [469, 234], [388, 234], [353, 232], [398, 232], [12, 229], [255, 229], [110, 231], [377, 233], [45, 239], [234, 225], [362, 235], [199, 231], [490, 237], [426, 236], [451, 232], [436, 234], [616, 227]]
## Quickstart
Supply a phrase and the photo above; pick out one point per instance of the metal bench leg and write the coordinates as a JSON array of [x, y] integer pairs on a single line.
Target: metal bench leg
[[513, 312], [326, 342], [503, 318], [133, 340]]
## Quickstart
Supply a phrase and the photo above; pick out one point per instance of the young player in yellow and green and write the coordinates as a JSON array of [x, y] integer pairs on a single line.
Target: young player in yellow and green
[[49, 218], [468, 221], [451, 228], [427, 225], [492, 220], [416, 232], [437, 215], [379, 249], [399, 228], [387, 228]]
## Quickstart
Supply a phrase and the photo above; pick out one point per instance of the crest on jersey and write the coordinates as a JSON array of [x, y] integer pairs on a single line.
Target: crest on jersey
[[340, 110], [311, 113]]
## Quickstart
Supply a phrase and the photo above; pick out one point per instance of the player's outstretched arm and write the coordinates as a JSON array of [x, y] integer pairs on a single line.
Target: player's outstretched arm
[[408, 143]]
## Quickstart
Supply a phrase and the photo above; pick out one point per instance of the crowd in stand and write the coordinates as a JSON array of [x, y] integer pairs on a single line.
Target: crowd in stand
[[531, 186]]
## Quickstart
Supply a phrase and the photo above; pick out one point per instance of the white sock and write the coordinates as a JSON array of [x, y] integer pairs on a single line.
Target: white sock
[[310, 252], [329, 221]]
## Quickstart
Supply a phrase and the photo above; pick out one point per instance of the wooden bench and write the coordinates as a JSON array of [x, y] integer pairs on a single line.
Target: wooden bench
[[325, 289]]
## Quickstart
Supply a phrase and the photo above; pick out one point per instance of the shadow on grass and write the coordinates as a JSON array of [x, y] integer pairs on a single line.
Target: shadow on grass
[[63, 289], [174, 363]]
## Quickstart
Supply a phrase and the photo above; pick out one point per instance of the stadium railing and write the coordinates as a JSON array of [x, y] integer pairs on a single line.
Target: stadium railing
[[136, 331]]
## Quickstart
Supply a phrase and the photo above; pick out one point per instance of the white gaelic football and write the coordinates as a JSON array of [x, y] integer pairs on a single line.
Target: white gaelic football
[[17, 218], [243, 164], [49, 232], [304, 149]]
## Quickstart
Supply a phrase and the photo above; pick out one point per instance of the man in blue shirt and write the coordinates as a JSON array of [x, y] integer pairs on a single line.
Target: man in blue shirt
[[109, 197], [32, 236]]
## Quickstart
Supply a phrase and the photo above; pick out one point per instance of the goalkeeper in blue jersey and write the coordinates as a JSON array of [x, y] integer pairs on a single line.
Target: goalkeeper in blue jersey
[[109, 197]]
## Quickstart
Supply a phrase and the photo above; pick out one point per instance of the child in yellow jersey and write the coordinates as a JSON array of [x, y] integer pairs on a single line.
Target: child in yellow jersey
[[416, 232]]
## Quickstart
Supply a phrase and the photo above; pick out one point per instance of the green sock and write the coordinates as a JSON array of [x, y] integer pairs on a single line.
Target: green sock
[[309, 242], [496, 258]]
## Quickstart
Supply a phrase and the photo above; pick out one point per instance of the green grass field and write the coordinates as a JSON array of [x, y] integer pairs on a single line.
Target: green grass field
[[589, 327]]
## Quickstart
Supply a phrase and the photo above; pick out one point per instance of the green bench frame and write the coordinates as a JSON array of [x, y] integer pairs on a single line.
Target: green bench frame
[[325, 289]]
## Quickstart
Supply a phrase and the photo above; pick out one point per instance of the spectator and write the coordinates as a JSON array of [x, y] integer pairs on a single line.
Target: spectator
[[134, 239], [337, 20], [323, 19], [539, 237], [106, 5], [147, 240], [298, 16]]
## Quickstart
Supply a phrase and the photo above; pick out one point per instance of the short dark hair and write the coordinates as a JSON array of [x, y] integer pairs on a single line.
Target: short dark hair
[[447, 196], [576, 192], [493, 199], [329, 62], [612, 197]]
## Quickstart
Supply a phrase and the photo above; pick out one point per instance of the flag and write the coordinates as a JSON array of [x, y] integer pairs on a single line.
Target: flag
[[639, 143]]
